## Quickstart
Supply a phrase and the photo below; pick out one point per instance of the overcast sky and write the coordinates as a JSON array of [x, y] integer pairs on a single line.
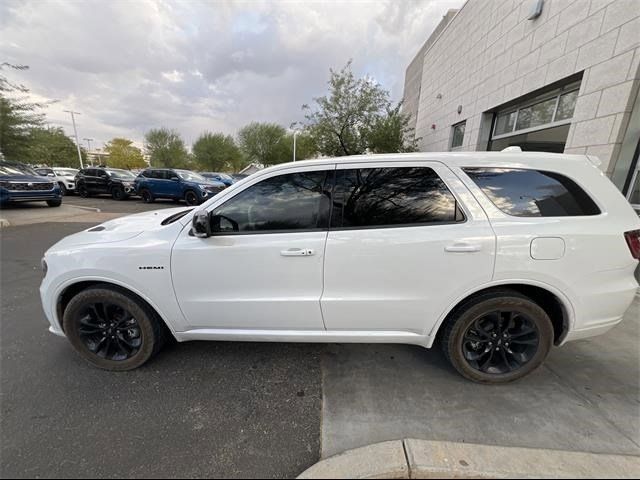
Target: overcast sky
[[129, 66]]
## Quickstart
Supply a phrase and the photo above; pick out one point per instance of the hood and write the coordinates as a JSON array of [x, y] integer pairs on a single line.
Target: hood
[[24, 178], [119, 229]]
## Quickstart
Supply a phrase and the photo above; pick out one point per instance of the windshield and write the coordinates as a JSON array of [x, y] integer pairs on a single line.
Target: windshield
[[121, 174], [7, 169], [65, 171], [190, 176]]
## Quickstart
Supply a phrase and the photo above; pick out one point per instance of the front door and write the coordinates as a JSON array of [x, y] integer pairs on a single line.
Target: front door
[[262, 268], [402, 247]]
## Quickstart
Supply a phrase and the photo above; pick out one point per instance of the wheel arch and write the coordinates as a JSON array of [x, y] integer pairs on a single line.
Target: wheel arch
[[552, 301], [70, 291]]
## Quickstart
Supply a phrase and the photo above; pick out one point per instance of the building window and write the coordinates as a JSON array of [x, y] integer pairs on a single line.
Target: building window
[[457, 135], [550, 110]]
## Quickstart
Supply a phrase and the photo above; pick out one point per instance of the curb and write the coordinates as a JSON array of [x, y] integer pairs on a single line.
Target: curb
[[4, 223], [426, 459]]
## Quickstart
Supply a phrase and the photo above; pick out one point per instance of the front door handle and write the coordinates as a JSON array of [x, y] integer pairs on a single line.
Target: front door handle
[[463, 248], [297, 252]]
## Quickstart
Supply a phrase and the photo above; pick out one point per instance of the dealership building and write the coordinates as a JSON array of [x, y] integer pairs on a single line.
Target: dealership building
[[545, 75]]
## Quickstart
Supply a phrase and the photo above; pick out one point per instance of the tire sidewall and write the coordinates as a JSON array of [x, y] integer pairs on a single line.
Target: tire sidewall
[[82, 191], [117, 193], [146, 196], [63, 189], [516, 303], [70, 325]]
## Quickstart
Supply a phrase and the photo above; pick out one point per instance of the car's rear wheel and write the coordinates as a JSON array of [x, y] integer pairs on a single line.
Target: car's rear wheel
[[82, 191], [54, 203], [147, 196], [117, 193], [191, 198], [498, 337], [112, 330]]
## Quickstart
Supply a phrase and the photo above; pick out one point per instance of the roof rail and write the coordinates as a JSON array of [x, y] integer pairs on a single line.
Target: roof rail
[[512, 149]]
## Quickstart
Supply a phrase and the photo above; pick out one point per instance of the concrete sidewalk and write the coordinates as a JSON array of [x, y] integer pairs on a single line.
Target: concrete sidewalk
[[586, 398], [425, 459]]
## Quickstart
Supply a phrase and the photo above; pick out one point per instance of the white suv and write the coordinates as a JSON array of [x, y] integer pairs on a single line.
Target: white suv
[[495, 256]]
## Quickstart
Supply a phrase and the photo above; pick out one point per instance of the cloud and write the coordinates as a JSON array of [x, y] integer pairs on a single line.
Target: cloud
[[194, 66]]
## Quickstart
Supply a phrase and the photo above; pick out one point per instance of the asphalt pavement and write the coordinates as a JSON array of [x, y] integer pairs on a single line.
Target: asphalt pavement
[[240, 410]]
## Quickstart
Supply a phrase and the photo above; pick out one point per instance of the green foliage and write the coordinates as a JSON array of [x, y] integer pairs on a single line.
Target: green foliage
[[216, 152], [356, 116], [51, 147], [391, 133], [166, 148], [124, 154], [305, 146], [263, 143], [18, 115]]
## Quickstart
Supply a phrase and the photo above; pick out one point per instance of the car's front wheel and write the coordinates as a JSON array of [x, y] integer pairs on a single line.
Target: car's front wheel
[[117, 193], [82, 191], [54, 203], [147, 196], [63, 189], [112, 330], [191, 198], [498, 337]]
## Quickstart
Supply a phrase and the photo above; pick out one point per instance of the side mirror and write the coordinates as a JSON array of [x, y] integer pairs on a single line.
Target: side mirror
[[201, 224], [175, 179], [51, 174]]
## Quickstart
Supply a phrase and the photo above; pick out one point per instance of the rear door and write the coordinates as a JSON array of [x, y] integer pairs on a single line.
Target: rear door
[[406, 241]]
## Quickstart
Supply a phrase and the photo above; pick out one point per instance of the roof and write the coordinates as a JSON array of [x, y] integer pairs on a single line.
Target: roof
[[542, 160]]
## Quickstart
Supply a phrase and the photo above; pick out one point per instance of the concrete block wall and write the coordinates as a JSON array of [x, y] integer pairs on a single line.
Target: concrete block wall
[[490, 54]]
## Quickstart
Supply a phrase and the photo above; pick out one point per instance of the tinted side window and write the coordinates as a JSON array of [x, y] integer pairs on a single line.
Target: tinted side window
[[296, 201], [533, 193], [379, 197]]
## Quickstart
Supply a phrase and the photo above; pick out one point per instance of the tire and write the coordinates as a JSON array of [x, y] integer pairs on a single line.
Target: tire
[[476, 329], [117, 193], [54, 203], [82, 191], [81, 323], [147, 196], [191, 198], [63, 189]]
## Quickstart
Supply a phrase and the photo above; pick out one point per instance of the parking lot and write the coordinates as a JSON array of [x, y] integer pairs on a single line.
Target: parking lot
[[272, 410]]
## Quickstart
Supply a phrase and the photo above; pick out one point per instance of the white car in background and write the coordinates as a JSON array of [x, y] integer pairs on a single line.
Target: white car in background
[[495, 256], [66, 177]]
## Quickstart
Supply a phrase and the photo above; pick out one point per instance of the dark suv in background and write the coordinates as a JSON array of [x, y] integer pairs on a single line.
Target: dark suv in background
[[177, 185], [113, 181], [19, 183]]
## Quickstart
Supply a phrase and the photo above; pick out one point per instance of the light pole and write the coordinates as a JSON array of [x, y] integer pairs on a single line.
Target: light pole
[[295, 134], [75, 130], [88, 140]]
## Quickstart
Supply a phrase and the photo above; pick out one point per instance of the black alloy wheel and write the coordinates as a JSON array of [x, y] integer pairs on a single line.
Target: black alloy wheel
[[497, 337], [82, 191], [500, 342], [117, 193], [109, 331], [147, 196], [191, 198], [63, 189]]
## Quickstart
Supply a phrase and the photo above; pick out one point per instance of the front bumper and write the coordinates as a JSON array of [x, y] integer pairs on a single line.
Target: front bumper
[[7, 196]]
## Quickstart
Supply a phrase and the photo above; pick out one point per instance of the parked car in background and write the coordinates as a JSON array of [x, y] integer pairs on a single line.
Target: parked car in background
[[20, 183], [494, 256], [177, 185], [220, 177], [112, 181], [66, 177], [239, 176]]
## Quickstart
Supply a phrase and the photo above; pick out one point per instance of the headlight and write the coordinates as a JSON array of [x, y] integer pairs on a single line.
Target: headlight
[[45, 267]]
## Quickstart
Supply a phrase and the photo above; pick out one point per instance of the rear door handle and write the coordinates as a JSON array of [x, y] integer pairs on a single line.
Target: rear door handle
[[297, 252], [463, 248]]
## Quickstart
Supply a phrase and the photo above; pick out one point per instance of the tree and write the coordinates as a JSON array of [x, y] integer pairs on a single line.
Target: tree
[[391, 133], [50, 146], [262, 143], [217, 152], [124, 154], [356, 116], [18, 115], [166, 148]]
